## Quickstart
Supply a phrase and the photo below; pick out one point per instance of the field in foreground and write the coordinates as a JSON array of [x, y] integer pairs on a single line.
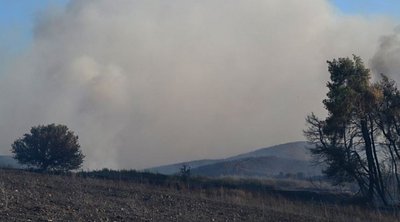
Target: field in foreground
[[28, 196]]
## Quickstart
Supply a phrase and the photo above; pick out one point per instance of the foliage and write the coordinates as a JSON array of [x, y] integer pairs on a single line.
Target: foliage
[[359, 139], [49, 148]]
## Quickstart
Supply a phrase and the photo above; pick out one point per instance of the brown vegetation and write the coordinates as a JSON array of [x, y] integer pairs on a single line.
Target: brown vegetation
[[28, 196]]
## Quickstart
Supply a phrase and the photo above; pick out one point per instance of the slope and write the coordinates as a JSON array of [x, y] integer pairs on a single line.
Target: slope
[[291, 157]]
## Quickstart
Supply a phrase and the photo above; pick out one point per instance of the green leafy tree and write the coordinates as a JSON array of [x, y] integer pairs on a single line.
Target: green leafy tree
[[48, 148]]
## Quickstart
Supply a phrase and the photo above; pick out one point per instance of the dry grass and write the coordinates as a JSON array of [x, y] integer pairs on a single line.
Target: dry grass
[[28, 196]]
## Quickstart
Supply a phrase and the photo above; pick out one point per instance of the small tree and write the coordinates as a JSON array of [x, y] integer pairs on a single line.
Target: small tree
[[184, 172], [51, 147]]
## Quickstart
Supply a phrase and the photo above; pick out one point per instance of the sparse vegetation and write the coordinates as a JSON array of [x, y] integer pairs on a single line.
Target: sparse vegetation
[[86, 197], [3, 193]]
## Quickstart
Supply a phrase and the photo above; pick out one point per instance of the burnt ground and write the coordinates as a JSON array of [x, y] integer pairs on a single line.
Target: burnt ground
[[27, 196]]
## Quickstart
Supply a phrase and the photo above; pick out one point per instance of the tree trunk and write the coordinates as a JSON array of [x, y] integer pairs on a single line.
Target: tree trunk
[[381, 188], [370, 159]]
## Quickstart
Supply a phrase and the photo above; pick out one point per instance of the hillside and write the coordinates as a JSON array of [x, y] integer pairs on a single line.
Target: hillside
[[288, 158], [26, 196], [266, 166], [294, 150]]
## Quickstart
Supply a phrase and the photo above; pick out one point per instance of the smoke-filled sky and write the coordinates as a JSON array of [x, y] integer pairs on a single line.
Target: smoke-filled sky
[[146, 83]]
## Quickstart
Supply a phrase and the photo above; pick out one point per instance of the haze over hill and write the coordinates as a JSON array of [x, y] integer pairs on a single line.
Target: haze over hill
[[294, 150], [8, 162], [265, 166], [288, 158]]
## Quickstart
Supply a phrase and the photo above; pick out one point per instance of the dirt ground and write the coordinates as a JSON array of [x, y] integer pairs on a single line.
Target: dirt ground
[[26, 196]]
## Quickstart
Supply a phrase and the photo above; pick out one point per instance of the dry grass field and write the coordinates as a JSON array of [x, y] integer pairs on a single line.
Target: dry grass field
[[28, 196]]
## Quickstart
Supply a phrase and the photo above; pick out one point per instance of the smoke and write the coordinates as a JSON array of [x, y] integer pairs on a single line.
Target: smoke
[[145, 83], [387, 58]]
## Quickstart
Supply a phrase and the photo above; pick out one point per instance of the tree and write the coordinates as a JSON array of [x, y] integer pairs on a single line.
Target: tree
[[48, 148], [184, 172], [360, 137]]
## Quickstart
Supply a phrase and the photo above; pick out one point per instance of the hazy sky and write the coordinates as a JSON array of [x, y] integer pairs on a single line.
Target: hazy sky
[[146, 83]]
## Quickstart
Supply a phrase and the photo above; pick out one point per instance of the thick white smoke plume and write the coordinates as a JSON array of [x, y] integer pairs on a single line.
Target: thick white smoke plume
[[145, 83]]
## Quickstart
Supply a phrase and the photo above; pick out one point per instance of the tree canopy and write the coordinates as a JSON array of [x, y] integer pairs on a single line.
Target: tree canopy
[[50, 147], [360, 137]]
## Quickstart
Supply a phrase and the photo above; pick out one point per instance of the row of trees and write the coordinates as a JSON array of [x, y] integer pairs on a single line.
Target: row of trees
[[359, 140]]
